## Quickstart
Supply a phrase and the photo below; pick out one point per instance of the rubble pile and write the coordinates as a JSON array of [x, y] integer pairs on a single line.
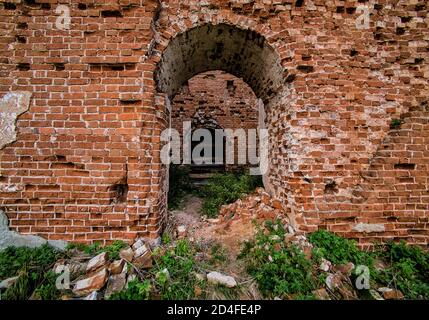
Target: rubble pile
[[258, 206], [95, 278]]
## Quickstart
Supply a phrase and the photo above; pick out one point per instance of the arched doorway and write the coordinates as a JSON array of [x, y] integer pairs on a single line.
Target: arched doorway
[[242, 53]]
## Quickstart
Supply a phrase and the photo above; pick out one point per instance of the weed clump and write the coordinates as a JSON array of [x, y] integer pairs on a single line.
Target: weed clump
[[33, 267], [281, 269]]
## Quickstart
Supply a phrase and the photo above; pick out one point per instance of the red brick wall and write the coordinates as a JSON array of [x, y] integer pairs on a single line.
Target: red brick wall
[[218, 99], [86, 165]]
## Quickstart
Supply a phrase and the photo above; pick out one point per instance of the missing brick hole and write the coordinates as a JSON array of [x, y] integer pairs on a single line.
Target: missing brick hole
[[130, 102], [331, 187], [20, 39], [59, 157], [405, 166], [353, 52], [299, 3], [418, 60], [30, 3], [82, 6], [111, 14], [115, 67], [120, 191], [306, 69], [59, 66], [22, 25], [230, 87], [290, 78], [400, 31], [340, 9], [23, 66], [9, 6], [351, 10], [420, 7]]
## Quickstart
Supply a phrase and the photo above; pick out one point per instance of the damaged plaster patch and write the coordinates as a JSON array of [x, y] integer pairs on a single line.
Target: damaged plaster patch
[[11, 238], [12, 105], [368, 227]]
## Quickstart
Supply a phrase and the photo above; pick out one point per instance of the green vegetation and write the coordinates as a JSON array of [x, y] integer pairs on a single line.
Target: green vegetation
[[280, 269], [395, 123], [136, 290], [174, 271], [225, 189], [408, 270], [96, 248], [337, 250], [179, 185], [33, 268]]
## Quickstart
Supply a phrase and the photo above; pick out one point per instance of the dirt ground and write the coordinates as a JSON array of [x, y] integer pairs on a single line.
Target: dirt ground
[[230, 234]]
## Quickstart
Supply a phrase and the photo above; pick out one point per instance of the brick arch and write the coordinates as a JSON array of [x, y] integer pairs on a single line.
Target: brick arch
[[242, 48], [242, 52]]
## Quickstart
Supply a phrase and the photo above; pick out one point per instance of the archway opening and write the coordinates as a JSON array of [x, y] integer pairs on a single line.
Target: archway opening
[[244, 54], [214, 102]]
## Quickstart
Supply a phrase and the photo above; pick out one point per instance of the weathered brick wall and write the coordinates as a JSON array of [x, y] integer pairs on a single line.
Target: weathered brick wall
[[86, 164], [216, 99]]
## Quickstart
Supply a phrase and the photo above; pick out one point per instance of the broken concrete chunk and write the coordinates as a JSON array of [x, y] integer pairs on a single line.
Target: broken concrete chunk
[[92, 296], [345, 269], [391, 294], [141, 251], [144, 261], [181, 231], [94, 283], [117, 266], [325, 265], [5, 284], [115, 284], [139, 243], [334, 281], [12, 105], [219, 278], [97, 262], [126, 254]]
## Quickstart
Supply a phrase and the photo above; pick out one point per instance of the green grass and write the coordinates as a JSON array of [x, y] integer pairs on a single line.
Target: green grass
[[408, 270], [181, 265], [96, 248], [33, 268], [338, 250], [225, 189], [280, 269], [136, 290]]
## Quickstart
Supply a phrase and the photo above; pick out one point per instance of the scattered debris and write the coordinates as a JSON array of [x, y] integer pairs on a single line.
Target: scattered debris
[[219, 278], [97, 262], [115, 284], [391, 294], [5, 284], [92, 283]]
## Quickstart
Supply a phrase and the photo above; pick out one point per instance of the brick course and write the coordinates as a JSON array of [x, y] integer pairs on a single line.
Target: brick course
[[86, 163]]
